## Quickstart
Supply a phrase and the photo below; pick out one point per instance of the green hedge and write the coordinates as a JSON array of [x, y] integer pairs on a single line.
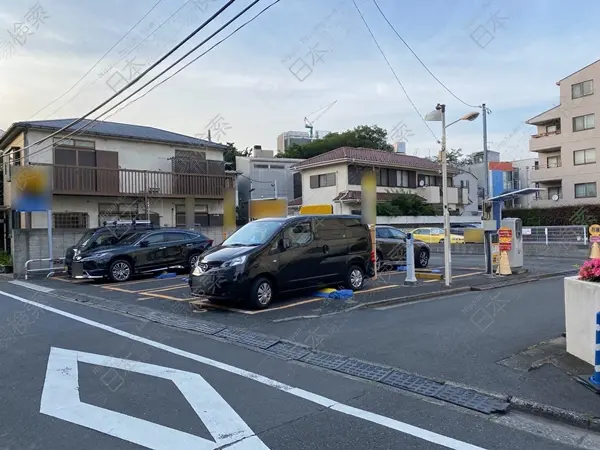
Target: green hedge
[[559, 216]]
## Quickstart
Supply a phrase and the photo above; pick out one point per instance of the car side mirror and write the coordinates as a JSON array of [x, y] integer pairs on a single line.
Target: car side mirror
[[144, 244]]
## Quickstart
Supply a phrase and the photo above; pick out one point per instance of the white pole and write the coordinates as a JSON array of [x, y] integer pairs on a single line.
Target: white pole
[[50, 256], [447, 255]]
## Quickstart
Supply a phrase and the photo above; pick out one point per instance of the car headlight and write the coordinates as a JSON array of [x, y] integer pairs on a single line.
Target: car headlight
[[197, 271], [235, 261]]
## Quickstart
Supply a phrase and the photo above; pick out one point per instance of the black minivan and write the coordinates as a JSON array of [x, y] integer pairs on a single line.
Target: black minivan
[[267, 257]]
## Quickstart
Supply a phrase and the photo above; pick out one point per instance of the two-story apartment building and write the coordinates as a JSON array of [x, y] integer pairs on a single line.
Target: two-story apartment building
[[566, 143], [113, 171], [335, 177]]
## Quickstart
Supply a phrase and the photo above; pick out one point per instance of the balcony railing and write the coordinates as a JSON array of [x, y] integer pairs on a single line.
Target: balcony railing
[[545, 141], [549, 166], [547, 196], [70, 180]]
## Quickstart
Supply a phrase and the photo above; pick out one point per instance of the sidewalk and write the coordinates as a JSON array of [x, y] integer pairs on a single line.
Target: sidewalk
[[482, 340]]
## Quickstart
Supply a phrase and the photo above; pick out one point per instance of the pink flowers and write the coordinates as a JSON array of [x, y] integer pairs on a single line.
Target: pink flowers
[[590, 271]]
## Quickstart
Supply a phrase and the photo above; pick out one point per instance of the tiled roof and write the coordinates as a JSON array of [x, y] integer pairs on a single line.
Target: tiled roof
[[120, 130], [369, 156]]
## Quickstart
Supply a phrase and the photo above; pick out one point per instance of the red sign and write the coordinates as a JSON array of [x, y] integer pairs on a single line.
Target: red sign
[[505, 246], [594, 238], [505, 234]]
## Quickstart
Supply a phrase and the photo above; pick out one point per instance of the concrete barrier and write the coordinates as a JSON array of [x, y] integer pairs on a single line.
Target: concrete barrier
[[551, 251]]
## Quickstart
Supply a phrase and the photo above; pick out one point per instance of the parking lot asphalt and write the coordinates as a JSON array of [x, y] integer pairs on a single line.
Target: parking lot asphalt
[[173, 294]]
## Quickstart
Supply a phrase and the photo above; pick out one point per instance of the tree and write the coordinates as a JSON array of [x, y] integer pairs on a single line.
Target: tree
[[230, 154], [454, 157], [362, 136], [404, 204]]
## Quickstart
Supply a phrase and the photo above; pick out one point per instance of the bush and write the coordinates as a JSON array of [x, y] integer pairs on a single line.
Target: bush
[[559, 216], [590, 271]]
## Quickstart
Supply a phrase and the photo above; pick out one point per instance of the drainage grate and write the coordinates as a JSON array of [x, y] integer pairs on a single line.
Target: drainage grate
[[324, 359], [471, 399], [289, 350], [364, 370], [248, 338], [413, 383]]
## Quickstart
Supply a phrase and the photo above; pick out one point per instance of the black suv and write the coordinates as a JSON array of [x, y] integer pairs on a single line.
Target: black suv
[[141, 252], [269, 256], [109, 234]]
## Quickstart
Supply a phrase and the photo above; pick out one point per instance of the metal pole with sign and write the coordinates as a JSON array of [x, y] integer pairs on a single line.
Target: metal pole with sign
[[505, 244], [594, 239], [368, 205]]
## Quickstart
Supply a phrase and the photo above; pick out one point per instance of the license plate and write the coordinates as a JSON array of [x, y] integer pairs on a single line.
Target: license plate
[[77, 269]]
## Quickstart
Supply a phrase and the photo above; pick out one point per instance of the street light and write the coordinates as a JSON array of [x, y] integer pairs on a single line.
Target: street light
[[439, 115]]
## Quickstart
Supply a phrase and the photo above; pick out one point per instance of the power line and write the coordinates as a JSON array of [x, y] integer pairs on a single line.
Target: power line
[[85, 88], [88, 125], [138, 78], [193, 60], [98, 62], [419, 59], [393, 71]]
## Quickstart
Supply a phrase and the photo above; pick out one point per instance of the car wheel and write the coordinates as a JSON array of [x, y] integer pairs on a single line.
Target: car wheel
[[355, 278], [120, 270], [193, 260], [261, 293], [422, 259]]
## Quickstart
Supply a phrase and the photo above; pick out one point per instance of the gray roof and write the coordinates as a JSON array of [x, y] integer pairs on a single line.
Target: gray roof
[[118, 130]]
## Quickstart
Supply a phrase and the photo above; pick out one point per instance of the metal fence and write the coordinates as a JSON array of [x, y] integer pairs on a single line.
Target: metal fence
[[567, 235]]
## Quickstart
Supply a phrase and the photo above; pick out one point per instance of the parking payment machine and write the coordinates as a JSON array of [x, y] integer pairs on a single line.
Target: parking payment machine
[[515, 254]]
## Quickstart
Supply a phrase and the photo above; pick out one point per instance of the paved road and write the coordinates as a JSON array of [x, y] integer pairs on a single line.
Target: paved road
[[460, 338], [78, 377]]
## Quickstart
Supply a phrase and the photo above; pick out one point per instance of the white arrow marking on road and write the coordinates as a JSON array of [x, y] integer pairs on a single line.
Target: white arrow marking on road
[[374, 418], [60, 398]]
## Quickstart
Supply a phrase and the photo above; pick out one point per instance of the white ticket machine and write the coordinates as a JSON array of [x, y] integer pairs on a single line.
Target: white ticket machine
[[515, 255]]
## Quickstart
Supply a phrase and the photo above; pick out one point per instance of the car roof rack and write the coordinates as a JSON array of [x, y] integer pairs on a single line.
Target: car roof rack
[[129, 223]]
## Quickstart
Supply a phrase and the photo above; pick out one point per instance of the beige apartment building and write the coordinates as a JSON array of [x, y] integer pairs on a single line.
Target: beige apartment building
[[567, 142]]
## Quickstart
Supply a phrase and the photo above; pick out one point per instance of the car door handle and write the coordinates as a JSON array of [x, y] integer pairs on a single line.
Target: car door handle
[[325, 249], [161, 248], [189, 245]]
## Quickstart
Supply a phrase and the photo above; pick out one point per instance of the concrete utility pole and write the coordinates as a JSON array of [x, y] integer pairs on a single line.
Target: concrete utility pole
[[447, 242], [486, 193]]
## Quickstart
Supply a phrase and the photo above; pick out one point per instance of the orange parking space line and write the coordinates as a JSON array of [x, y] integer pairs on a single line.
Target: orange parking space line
[[289, 305], [176, 286], [146, 280], [464, 275], [169, 297], [111, 288], [378, 288]]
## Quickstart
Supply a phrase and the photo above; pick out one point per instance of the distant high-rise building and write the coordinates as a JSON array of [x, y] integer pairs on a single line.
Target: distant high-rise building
[[286, 139], [400, 147]]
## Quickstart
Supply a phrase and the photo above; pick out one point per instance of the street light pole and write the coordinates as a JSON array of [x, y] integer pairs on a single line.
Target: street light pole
[[486, 194], [447, 247]]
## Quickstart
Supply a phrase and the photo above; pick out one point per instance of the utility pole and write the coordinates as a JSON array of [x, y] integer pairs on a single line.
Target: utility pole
[[486, 169], [447, 242]]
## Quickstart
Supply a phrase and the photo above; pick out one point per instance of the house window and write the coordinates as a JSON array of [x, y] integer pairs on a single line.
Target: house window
[[261, 166], [555, 190], [200, 216], [586, 122], [325, 180], [70, 220], [550, 128], [464, 184], [587, 156], [429, 180], [553, 162], [387, 177], [585, 190], [276, 166], [582, 89], [402, 178]]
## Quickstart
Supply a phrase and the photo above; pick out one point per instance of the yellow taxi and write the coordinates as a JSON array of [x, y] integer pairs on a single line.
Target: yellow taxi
[[435, 236]]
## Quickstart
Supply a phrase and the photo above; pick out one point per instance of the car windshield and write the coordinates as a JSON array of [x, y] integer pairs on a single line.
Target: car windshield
[[253, 233], [85, 238]]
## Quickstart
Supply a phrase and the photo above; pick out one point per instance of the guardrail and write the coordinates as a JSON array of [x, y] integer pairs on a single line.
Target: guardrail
[[566, 235], [51, 270]]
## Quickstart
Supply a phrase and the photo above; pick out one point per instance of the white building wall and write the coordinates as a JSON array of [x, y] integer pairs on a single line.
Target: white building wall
[[324, 195]]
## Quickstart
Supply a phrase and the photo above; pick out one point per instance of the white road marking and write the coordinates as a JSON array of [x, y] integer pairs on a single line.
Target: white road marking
[[60, 399], [31, 286], [387, 422]]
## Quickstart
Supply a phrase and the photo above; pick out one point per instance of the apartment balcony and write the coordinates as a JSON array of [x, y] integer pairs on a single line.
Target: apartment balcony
[[69, 180], [542, 174], [546, 142], [545, 200]]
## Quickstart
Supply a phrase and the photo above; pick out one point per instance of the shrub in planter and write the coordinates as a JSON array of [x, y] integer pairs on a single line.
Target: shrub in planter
[[6, 264]]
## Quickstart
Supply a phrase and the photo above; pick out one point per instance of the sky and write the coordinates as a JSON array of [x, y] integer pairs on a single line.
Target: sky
[[294, 61]]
